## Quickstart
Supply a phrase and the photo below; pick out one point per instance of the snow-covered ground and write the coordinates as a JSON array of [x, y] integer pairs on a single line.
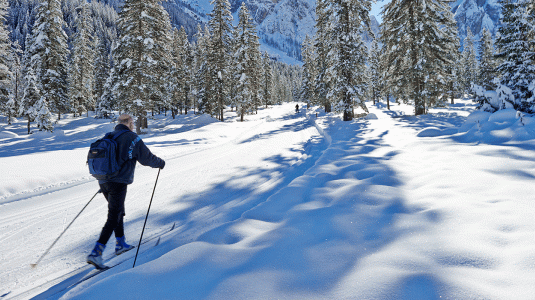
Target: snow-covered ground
[[283, 206]]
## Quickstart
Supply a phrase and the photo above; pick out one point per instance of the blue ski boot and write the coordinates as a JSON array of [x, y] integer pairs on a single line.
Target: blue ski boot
[[95, 258], [121, 246]]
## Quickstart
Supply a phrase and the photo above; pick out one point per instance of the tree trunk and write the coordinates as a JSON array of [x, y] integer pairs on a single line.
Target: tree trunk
[[138, 124], [452, 92]]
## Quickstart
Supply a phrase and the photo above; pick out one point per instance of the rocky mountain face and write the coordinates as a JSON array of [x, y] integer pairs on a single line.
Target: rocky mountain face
[[476, 15]]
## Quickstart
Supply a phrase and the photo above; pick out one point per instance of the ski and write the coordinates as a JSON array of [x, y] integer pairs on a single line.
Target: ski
[[73, 278]]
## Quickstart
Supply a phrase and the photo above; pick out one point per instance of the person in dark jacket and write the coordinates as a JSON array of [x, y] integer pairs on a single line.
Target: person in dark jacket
[[130, 149]]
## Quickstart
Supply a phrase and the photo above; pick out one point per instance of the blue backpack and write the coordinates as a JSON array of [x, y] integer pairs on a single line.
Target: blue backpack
[[102, 157]]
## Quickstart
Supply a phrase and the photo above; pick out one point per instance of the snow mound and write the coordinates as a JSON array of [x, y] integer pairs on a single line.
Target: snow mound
[[42, 134], [8, 135], [371, 116], [204, 120], [434, 132], [500, 127]]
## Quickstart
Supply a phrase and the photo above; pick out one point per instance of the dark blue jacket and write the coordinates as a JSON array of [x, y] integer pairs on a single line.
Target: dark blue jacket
[[131, 149]]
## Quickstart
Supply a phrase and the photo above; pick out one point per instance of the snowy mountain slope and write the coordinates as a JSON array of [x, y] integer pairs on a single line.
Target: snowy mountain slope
[[389, 207], [476, 15]]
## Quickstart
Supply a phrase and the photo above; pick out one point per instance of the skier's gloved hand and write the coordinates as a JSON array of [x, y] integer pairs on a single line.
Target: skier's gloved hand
[[162, 165]]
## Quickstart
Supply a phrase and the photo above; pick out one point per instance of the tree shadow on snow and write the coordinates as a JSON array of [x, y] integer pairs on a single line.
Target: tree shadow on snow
[[307, 234], [81, 132]]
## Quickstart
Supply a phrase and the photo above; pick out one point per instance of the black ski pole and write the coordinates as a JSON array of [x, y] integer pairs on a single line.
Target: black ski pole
[[47, 250], [139, 245]]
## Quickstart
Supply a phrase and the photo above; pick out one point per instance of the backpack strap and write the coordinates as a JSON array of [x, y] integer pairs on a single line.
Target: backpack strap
[[115, 136]]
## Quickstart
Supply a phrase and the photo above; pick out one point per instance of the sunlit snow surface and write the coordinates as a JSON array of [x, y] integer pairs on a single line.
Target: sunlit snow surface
[[286, 206]]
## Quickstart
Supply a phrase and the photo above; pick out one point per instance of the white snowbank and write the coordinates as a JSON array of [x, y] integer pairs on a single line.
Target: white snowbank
[[8, 135], [434, 132]]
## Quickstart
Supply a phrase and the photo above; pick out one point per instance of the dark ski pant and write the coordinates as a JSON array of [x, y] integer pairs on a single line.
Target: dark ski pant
[[115, 194]]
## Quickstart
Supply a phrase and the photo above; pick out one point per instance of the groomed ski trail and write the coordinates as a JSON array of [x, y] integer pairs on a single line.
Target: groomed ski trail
[[44, 214]]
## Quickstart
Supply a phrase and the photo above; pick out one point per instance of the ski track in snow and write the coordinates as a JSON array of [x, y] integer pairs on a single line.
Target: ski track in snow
[[285, 206]]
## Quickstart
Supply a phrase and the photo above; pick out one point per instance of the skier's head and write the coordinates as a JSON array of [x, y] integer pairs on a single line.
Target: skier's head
[[127, 120]]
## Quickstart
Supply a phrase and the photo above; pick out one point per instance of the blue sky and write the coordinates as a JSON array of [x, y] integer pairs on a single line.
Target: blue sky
[[376, 9]]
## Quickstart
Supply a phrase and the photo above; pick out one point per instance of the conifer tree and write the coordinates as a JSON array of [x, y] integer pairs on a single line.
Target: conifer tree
[[43, 117], [181, 60], [102, 68], [202, 79], [452, 75], [455, 84], [220, 25], [104, 105], [417, 47], [514, 49], [254, 63], [5, 46], [16, 83], [243, 76], [487, 63], [308, 54], [322, 44], [267, 81], [350, 55], [376, 80], [142, 57], [49, 51], [81, 76], [30, 96], [469, 63]]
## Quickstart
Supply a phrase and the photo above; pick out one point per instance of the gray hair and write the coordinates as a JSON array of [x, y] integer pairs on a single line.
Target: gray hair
[[125, 119]]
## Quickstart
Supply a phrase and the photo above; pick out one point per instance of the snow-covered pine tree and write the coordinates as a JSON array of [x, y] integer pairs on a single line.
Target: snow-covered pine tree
[[43, 116], [254, 63], [176, 70], [188, 75], [376, 78], [487, 62], [514, 49], [5, 47], [242, 76], [102, 68], [417, 47], [220, 25], [322, 44], [308, 55], [451, 75], [181, 53], [31, 95], [161, 33], [350, 55], [267, 81], [49, 51], [455, 69], [469, 62], [82, 68], [104, 106], [142, 57], [389, 85], [16, 84], [201, 80]]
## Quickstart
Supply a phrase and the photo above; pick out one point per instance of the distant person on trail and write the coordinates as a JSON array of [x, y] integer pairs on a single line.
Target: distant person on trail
[[130, 149], [297, 108]]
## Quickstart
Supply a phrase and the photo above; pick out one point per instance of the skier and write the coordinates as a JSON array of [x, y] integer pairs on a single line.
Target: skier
[[130, 149], [297, 108]]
